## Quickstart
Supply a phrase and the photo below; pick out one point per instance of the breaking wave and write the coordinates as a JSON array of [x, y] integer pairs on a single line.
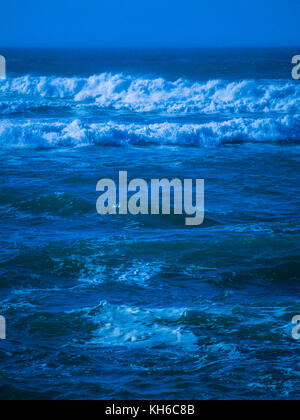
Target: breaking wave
[[78, 133], [136, 94], [30, 134]]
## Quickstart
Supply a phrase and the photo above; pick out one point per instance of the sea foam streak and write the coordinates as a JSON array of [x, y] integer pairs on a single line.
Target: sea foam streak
[[138, 94], [45, 134]]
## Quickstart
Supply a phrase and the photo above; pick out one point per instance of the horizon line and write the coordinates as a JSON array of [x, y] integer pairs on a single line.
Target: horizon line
[[136, 47]]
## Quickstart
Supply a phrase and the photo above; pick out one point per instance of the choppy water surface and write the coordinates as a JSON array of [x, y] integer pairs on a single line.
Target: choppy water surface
[[143, 307]]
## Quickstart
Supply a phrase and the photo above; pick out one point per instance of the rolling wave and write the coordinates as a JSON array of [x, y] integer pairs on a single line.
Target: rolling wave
[[138, 94], [76, 133]]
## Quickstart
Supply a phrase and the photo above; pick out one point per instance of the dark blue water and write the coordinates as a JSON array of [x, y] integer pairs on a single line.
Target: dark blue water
[[144, 307]]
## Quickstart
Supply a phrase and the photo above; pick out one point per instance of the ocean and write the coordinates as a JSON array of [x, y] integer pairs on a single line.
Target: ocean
[[144, 307]]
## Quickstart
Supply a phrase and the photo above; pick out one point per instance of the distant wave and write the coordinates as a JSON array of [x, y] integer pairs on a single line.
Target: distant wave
[[138, 94], [76, 133]]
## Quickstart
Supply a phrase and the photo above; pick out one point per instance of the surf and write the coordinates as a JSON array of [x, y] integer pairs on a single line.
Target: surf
[[47, 134], [143, 94]]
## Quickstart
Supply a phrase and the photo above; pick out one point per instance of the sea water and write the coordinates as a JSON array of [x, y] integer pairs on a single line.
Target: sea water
[[144, 306]]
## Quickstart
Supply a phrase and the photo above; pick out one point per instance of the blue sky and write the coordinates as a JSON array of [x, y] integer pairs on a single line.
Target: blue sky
[[149, 23]]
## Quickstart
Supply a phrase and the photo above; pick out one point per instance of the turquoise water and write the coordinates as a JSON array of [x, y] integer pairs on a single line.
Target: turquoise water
[[144, 307]]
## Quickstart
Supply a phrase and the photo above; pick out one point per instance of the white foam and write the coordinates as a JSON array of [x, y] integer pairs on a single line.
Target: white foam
[[125, 325], [76, 133], [138, 94]]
